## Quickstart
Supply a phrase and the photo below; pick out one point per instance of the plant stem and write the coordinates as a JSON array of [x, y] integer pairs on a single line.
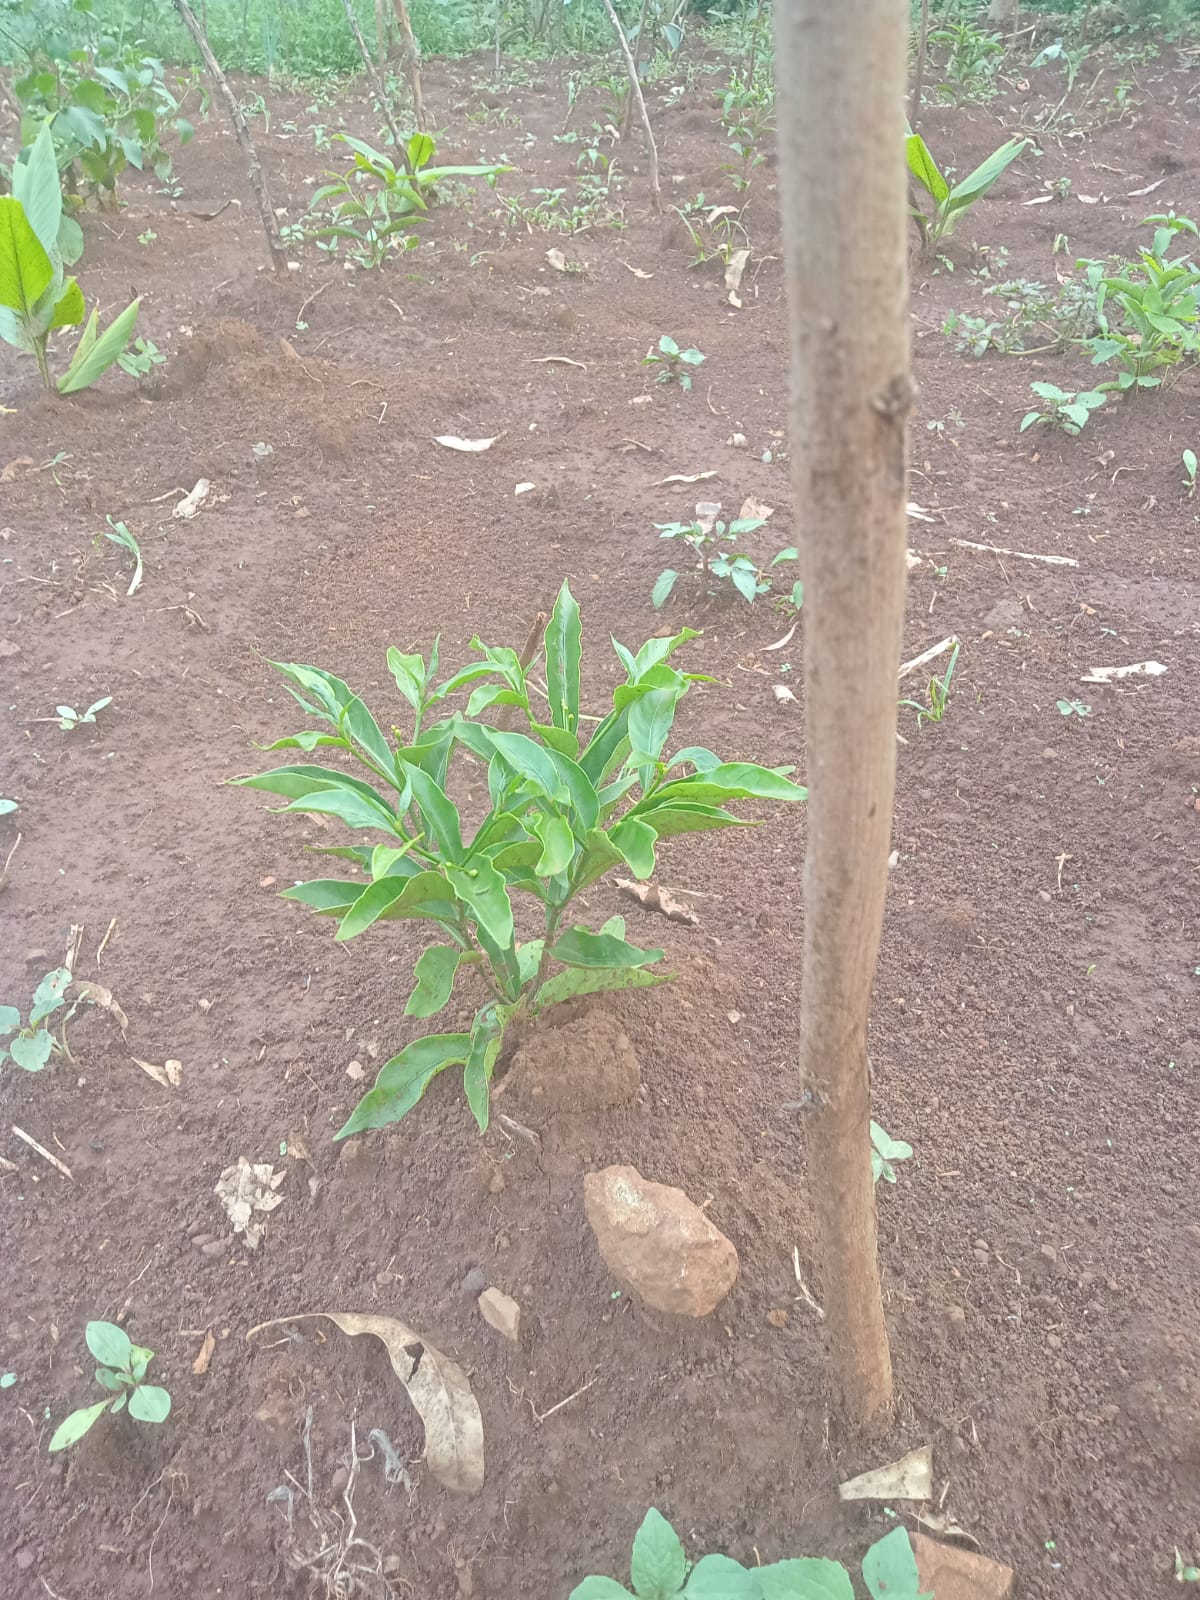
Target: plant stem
[[635, 89]]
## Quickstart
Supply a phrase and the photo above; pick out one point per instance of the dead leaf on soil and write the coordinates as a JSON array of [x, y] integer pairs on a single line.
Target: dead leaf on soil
[[782, 693], [657, 898], [208, 1345], [943, 1523], [453, 442], [733, 275], [910, 1478], [169, 1074], [524, 488], [191, 503], [755, 508], [13, 468], [437, 1387], [787, 638], [637, 271], [556, 259], [245, 1189], [97, 995], [1136, 194], [683, 477], [918, 513], [1136, 669], [1038, 200]]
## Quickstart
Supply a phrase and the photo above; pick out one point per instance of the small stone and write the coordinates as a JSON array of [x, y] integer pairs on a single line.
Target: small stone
[[737, 440], [266, 883], [981, 1244], [8, 648], [356, 1070], [214, 1248], [501, 1311], [1005, 614], [35, 955], [1109, 1413], [953, 1573], [956, 1320], [982, 1256], [25, 1558], [204, 1005], [1049, 754], [199, 1240], [657, 1240], [339, 1480], [1044, 894], [475, 1281], [385, 1278], [778, 1317], [1053, 1342]]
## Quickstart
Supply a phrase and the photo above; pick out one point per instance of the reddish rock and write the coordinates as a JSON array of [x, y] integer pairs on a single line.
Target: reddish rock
[[653, 1238], [952, 1572]]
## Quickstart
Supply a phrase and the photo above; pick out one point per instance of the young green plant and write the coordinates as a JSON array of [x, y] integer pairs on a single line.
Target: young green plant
[[1066, 409], [69, 719], [713, 543], [672, 362], [884, 1151], [660, 1570], [119, 534], [31, 1045], [122, 1372], [1148, 314], [952, 202], [939, 694], [565, 807]]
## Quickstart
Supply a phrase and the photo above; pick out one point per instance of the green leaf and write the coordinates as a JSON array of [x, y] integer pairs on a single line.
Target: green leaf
[[438, 812], [26, 271], [663, 586], [32, 1053], [718, 1577], [110, 1380], [889, 1569], [529, 959], [487, 1035], [435, 971], [599, 854], [597, 1588], [409, 673], [403, 1080], [732, 780], [635, 839], [73, 1428], [49, 994], [566, 744], [92, 360], [111, 1346], [976, 184], [150, 1403], [578, 981], [482, 888], [810, 1578], [427, 895], [328, 897], [10, 1019], [558, 845], [659, 1565], [555, 774], [580, 948], [35, 183], [924, 168], [678, 817], [354, 808], [69, 308], [745, 581], [563, 649]]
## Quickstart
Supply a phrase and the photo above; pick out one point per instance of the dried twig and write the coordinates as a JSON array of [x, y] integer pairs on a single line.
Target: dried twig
[[635, 89], [931, 654], [43, 1152], [1021, 555], [8, 862], [104, 942], [540, 1416]]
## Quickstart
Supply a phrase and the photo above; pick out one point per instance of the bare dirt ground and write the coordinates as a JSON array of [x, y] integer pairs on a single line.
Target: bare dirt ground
[[1036, 1031]]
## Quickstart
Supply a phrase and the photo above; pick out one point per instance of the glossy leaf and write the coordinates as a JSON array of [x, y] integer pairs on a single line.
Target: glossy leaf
[[810, 1578], [73, 1428], [563, 644], [580, 948], [111, 1346], [26, 271], [558, 846], [96, 351], [487, 1035], [578, 981], [890, 1569], [659, 1565], [409, 673], [349, 805], [735, 780], [438, 812], [635, 839], [924, 168], [435, 972], [483, 890], [403, 1080], [328, 897], [718, 1577]]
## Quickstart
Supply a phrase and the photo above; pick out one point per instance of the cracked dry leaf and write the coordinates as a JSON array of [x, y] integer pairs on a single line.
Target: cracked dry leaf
[[169, 1074], [245, 1189], [655, 898], [97, 995], [192, 502], [753, 507], [910, 1478], [733, 276], [438, 1388]]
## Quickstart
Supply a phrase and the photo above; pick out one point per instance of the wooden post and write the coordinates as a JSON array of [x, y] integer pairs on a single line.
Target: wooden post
[[914, 115], [842, 71], [411, 62], [635, 89], [258, 180], [379, 86]]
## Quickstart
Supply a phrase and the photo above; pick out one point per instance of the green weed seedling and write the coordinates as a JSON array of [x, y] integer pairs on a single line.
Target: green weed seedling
[[1073, 708], [1148, 313], [7, 806], [68, 719], [884, 1151], [713, 543], [1066, 409], [938, 692], [1184, 1573], [1189, 473], [951, 203], [119, 534], [673, 362], [121, 1371], [141, 358], [565, 808], [660, 1570], [31, 1046], [36, 297]]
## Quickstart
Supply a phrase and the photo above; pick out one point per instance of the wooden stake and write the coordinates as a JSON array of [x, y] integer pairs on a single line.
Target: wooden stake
[[635, 89], [842, 71], [914, 114], [258, 180], [411, 62], [380, 88], [60, 1166]]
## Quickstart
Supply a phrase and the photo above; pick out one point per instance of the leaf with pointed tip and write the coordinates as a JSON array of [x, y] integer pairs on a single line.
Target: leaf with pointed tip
[[403, 1080]]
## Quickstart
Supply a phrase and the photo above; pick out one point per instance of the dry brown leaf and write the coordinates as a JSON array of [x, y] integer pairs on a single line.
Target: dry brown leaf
[[1136, 194], [208, 1345], [245, 1189], [734, 268], [755, 508], [910, 1478], [191, 503], [168, 1074], [13, 468], [438, 1388], [655, 898], [683, 477], [97, 995], [637, 271], [453, 442], [782, 693], [787, 638], [556, 259]]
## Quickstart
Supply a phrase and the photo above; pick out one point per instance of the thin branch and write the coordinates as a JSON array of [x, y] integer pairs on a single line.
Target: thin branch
[[635, 89], [378, 85]]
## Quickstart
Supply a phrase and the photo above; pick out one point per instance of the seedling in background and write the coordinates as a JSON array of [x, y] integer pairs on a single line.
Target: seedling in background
[[1073, 708], [673, 361], [120, 534], [706, 536], [950, 205], [1189, 473], [1067, 410], [141, 359], [939, 694], [884, 1151], [69, 719], [565, 808], [660, 1570], [122, 1371], [32, 1046]]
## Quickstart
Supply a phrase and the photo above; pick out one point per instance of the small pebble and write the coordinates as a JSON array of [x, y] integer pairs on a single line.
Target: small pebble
[[475, 1281], [214, 1248], [1053, 1342], [339, 1480], [956, 1319]]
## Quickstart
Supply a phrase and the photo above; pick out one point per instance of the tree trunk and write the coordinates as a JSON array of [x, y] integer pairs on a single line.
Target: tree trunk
[[627, 124], [411, 62], [380, 87], [258, 180], [635, 89], [842, 71]]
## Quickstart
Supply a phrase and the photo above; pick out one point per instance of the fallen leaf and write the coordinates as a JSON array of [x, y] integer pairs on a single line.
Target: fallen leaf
[[208, 1345], [918, 513], [912, 559], [1088, 199], [683, 477], [556, 259], [266, 883], [169, 1074], [1137, 669], [944, 1524], [656, 898], [910, 1478], [1136, 194], [524, 488], [453, 442], [356, 1071], [245, 1189], [755, 508], [13, 468], [191, 503], [637, 271], [437, 1387], [298, 1149], [782, 693], [97, 995], [787, 638], [734, 268], [1038, 200]]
